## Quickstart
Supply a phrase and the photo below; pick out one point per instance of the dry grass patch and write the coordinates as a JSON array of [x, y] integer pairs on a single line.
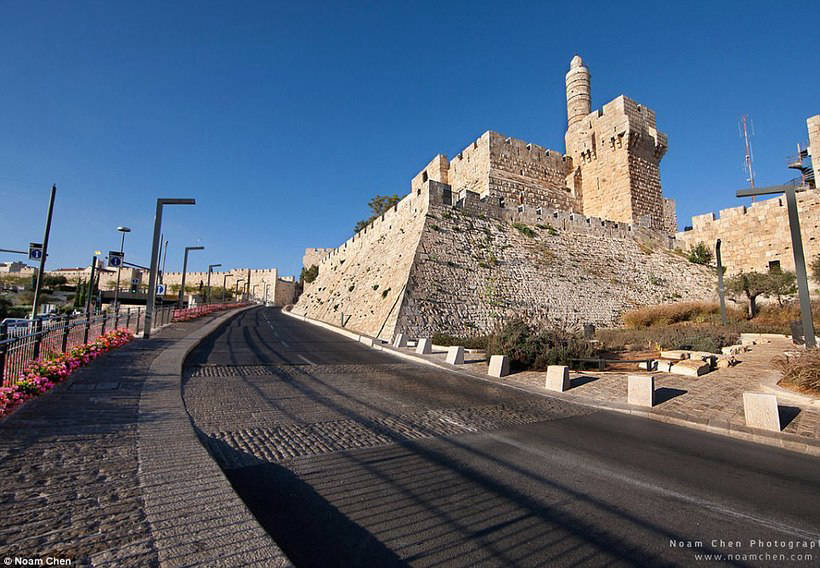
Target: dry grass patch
[[667, 314], [801, 371]]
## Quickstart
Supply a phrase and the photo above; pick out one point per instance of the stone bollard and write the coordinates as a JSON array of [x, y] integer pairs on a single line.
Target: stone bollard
[[424, 346], [499, 366], [400, 340], [641, 390], [455, 355], [366, 340], [557, 378], [761, 411]]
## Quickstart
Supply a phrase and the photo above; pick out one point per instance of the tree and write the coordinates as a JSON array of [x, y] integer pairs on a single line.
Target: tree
[[309, 274], [782, 283], [379, 205], [700, 254], [815, 269], [52, 281], [754, 284]]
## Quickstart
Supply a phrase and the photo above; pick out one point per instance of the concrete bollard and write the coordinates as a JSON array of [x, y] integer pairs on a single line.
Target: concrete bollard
[[424, 346], [761, 411], [366, 340], [400, 340], [557, 378], [641, 390], [499, 366], [455, 355]]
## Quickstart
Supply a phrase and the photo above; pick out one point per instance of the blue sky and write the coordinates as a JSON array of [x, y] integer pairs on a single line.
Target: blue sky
[[283, 119]]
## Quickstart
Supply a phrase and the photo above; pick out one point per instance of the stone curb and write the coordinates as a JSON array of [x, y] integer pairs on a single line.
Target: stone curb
[[196, 517], [786, 441]]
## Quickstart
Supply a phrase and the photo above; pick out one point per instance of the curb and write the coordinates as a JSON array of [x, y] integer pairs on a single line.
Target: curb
[[787, 441], [196, 517]]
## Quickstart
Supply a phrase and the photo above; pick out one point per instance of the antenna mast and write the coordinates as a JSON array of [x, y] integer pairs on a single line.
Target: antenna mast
[[749, 168]]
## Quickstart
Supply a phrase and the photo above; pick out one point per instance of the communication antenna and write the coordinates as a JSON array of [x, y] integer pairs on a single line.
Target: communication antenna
[[749, 158]]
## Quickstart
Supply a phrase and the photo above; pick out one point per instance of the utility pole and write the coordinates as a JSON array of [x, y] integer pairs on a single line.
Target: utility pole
[[41, 273], [721, 290], [797, 250], [152, 278]]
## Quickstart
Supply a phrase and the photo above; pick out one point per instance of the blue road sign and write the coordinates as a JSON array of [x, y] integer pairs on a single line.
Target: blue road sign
[[35, 251], [115, 259], [160, 289]]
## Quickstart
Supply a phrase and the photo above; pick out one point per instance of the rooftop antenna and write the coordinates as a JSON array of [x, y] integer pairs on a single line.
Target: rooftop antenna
[[746, 135]]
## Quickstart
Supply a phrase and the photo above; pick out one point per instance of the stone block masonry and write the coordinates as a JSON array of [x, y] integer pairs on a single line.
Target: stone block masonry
[[756, 238], [435, 264]]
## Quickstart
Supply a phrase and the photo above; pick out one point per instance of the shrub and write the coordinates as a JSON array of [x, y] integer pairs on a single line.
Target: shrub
[[700, 254], [683, 336], [524, 230], [478, 342], [801, 371], [309, 274], [815, 269], [536, 349]]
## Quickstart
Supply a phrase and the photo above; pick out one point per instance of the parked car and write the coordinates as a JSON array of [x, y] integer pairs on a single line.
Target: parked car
[[12, 323]]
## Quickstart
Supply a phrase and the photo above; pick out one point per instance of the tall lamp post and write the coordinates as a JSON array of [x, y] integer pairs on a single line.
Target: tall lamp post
[[236, 287], [122, 230], [797, 250], [152, 278], [266, 293], [41, 273], [184, 270], [208, 294], [253, 292]]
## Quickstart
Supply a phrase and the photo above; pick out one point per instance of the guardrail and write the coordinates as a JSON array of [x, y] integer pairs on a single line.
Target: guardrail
[[42, 339]]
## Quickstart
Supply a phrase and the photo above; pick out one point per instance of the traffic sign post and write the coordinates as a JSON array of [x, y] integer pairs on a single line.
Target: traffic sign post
[[160, 289], [115, 259], [35, 251]]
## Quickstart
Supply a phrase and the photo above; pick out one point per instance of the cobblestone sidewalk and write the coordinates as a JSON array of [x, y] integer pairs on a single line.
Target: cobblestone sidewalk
[[68, 464]]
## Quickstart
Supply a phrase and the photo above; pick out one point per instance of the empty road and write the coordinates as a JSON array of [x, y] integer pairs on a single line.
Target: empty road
[[350, 457]]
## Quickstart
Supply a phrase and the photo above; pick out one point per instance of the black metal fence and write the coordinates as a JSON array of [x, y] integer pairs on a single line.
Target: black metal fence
[[19, 346]]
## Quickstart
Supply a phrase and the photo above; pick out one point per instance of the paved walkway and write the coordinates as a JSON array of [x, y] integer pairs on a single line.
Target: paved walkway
[[712, 402], [74, 479]]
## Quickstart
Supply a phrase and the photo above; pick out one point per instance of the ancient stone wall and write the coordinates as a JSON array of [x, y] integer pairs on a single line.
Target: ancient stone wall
[[313, 256], [443, 264], [753, 237], [617, 152], [470, 169], [363, 280], [525, 173]]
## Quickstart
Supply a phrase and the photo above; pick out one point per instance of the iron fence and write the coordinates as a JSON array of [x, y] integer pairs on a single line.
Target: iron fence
[[42, 339]]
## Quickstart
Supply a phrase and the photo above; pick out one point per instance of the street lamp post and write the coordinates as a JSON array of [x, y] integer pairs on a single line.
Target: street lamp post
[[208, 294], [236, 287], [41, 272], [253, 292], [266, 293], [797, 250], [152, 278], [184, 270], [122, 230], [224, 289]]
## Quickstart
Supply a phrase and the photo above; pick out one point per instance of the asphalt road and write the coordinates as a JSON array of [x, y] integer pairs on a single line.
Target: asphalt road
[[349, 457]]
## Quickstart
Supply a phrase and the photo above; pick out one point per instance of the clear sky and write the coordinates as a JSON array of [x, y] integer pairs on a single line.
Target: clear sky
[[283, 119]]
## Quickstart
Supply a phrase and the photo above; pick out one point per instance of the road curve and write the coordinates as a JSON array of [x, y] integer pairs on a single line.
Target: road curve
[[349, 457]]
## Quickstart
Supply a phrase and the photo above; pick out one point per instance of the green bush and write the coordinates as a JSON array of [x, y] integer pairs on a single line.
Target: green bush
[[479, 342], [700, 254], [536, 349], [524, 230]]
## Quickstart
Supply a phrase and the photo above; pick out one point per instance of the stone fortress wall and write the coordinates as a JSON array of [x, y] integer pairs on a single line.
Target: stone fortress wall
[[440, 263], [281, 290], [756, 238]]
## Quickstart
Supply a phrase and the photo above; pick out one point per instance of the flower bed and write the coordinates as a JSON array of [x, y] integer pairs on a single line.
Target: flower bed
[[189, 314], [42, 375]]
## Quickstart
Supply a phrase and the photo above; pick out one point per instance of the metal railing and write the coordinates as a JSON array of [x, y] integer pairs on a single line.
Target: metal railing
[[41, 339]]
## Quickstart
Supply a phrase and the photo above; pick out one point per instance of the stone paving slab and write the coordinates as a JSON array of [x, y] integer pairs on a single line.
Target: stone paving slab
[[71, 482]]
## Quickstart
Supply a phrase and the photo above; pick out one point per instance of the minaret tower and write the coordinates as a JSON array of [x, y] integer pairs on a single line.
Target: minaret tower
[[578, 98]]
